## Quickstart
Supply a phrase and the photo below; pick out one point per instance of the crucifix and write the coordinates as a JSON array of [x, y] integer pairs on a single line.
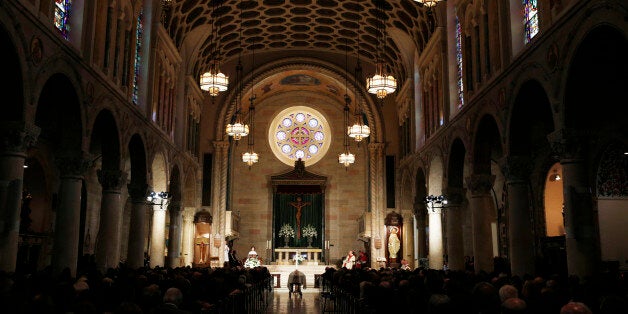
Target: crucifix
[[298, 205]]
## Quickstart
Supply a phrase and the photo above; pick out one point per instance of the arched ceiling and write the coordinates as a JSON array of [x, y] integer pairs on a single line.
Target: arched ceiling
[[286, 28]]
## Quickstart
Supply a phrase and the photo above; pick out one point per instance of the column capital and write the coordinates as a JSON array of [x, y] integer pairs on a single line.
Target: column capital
[[17, 136], [73, 165], [516, 168], [138, 192], [158, 208], [480, 184], [455, 195], [111, 179], [188, 215], [566, 144], [434, 210], [175, 206], [221, 145], [376, 147]]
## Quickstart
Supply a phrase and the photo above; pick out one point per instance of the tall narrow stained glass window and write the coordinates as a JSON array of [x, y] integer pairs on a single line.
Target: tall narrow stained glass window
[[531, 19], [459, 63], [139, 32], [62, 17]]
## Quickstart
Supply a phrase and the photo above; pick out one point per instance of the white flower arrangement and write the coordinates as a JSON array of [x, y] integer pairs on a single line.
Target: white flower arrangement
[[252, 262], [298, 257], [286, 231], [309, 231]]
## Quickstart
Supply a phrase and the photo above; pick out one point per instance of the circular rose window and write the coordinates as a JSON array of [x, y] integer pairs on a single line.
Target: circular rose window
[[299, 132]]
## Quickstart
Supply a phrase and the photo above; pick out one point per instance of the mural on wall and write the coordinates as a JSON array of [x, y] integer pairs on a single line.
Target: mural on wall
[[612, 175], [300, 79]]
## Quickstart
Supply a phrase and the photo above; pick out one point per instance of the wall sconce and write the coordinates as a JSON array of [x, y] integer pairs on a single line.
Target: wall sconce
[[154, 198], [439, 201], [554, 176]]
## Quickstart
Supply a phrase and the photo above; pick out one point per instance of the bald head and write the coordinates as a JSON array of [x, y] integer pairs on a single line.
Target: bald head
[[514, 305], [507, 291], [575, 308]]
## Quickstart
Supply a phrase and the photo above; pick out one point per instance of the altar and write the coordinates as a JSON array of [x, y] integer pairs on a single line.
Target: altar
[[285, 256]]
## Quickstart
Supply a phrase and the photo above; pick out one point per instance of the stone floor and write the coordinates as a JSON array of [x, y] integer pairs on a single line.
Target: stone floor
[[282, 303]]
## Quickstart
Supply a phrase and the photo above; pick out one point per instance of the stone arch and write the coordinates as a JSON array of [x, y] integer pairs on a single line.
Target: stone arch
[[59, 115], [326, 69], [12, 90], [105, 140], [487, 146], [531, 120], [599, 64]]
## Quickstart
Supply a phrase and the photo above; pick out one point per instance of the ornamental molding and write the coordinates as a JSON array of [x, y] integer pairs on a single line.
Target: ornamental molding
[[18, 136]]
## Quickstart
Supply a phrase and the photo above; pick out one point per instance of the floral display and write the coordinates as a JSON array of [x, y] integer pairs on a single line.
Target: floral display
[[309, 231], [286, 231], [298, 258], [252, 262]]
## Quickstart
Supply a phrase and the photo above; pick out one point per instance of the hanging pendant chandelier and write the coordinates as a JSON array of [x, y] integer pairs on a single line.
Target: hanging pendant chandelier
[[238, 129], [214, 81], [358, 131], [250, 157], [346, 158], [381, 84]]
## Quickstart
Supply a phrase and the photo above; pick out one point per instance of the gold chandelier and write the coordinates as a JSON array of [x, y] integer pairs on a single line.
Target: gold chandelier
[[346, 158], [381, 84], [238, 129], [358, 131], [214, 81], [250, 157]]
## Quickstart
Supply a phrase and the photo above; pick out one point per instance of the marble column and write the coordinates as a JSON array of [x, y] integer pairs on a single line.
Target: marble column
[[174, 235], [15, 138], [377, 205], [517, 170], [408, 236], [158, 236], [420, 213], [137, 225], [67, 224], [435, 237], [581, 238], [108, 238], [187, 244], [455, 244], [219, 199], [482, 215]]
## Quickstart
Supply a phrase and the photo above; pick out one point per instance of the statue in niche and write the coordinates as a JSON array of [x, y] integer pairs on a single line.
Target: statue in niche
[[393, 243], [25, 213]]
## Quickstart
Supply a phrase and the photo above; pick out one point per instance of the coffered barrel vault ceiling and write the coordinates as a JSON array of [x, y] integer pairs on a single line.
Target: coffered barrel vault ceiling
[[284, 27]]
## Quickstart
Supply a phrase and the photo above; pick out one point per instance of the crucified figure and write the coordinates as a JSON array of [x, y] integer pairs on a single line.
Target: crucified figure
[[298, 205]]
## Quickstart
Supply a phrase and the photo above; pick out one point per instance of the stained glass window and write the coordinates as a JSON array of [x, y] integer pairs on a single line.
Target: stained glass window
[[531, 19], [299, 132], [139, 32], [62, 17], [459, 63]]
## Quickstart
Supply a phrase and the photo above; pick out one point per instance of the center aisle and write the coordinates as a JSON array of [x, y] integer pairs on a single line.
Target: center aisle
[[282, 303]]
